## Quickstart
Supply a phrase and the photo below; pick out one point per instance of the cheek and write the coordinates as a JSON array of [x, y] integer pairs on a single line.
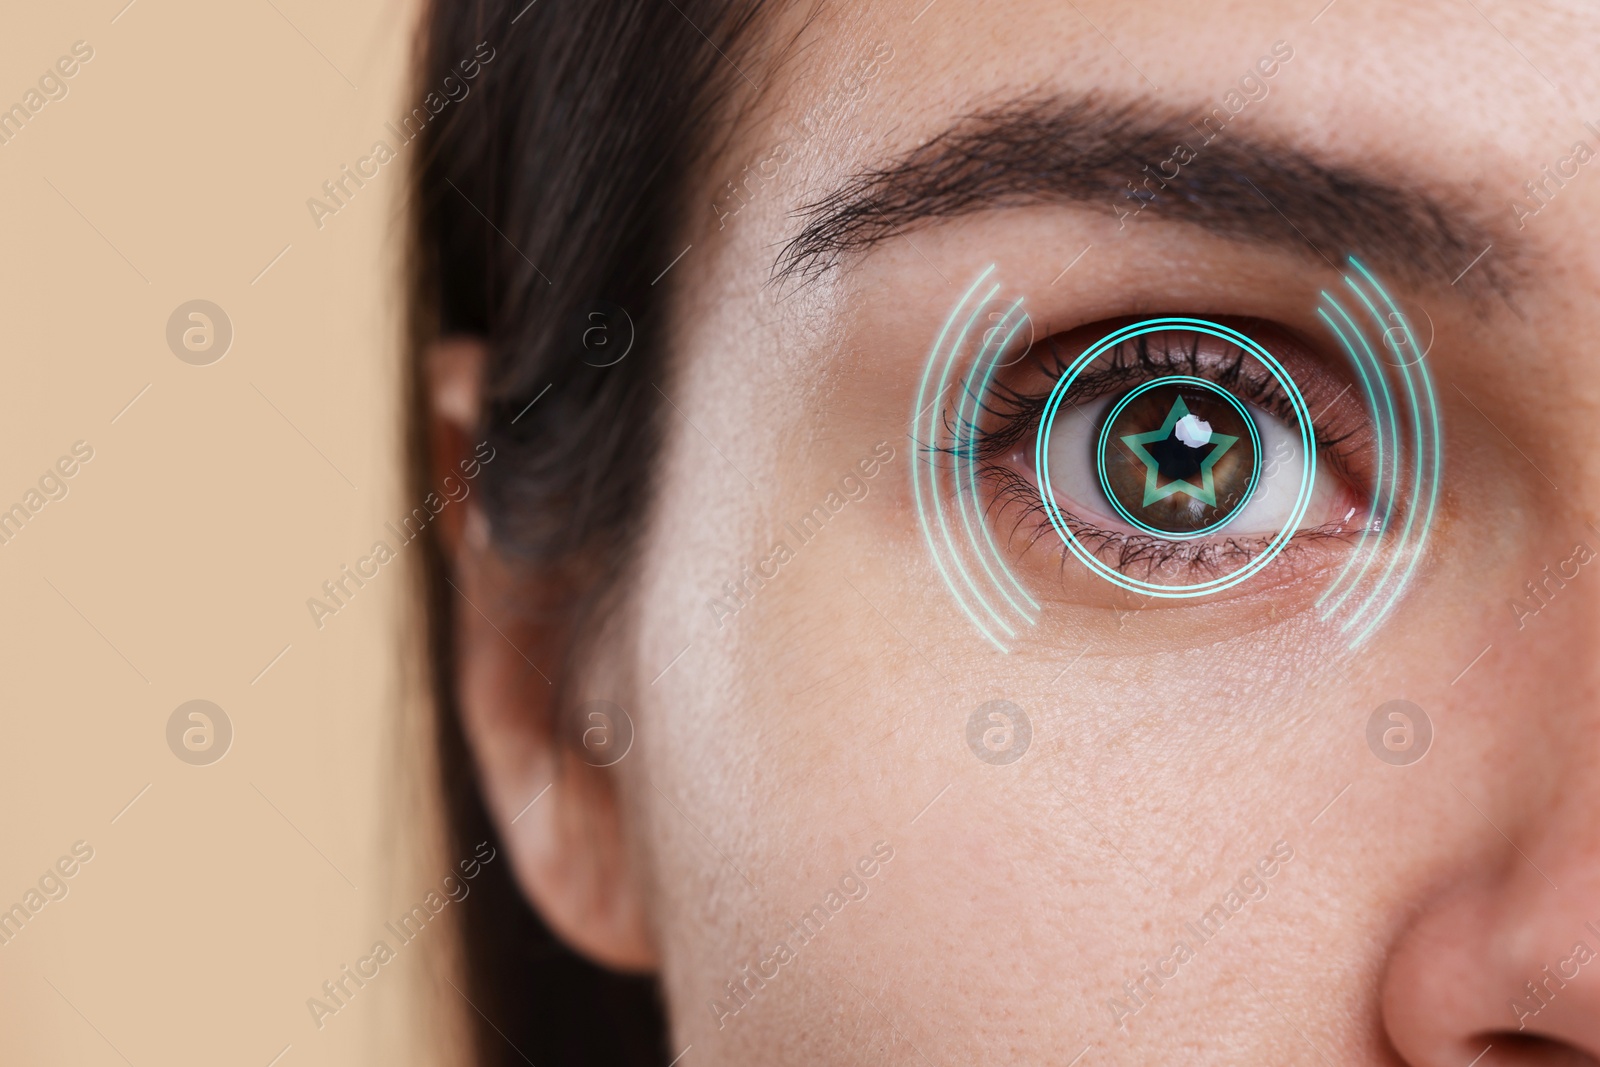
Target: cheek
[[822, 718], [757, 782]]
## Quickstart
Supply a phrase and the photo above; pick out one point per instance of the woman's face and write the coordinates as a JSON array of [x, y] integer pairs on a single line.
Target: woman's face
[[1182, 838]]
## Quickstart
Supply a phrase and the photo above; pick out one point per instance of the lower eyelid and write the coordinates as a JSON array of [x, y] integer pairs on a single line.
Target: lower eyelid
[[1018, 511], [1016, 474]]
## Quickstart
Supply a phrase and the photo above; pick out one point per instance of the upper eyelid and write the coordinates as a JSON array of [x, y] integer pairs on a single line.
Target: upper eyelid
[[1233, 366], [1017, 411]]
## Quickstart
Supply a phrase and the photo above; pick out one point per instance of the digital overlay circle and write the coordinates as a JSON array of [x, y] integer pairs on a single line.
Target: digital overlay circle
[[1176, 383], [1058, 394]]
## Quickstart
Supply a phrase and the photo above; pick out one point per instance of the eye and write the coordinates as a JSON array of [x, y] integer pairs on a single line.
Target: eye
[[1176, 458], [1177, 450], [1182, 460]]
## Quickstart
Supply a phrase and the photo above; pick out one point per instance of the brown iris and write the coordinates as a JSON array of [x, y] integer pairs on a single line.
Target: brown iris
[[1179, 456]]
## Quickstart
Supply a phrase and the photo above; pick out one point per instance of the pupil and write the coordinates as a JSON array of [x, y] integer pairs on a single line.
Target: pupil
[[1178, 459]]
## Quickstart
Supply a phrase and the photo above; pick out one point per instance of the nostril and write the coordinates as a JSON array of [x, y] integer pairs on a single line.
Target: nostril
[[1508, 1047]]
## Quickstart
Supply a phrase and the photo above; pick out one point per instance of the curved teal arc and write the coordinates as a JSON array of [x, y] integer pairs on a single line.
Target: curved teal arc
[[916, 466], [964, 456], [944, 526], [1431, 448]]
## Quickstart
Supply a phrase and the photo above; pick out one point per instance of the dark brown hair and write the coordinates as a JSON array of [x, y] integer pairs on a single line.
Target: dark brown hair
[[554, 181]]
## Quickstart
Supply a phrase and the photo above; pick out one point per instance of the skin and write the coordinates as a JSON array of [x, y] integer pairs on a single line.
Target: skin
[[1173, 747]]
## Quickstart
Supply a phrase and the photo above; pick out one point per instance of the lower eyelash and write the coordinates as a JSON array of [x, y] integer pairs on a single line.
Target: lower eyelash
[[1137, 555]]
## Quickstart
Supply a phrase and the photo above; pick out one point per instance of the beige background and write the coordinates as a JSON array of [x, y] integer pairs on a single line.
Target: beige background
[[177, 567]]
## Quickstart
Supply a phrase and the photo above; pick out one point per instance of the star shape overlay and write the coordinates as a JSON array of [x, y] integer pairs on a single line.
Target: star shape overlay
[[1167, 446]]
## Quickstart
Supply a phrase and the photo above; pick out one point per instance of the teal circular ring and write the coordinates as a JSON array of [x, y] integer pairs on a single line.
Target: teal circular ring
[[1307, 442], [1201, 383]]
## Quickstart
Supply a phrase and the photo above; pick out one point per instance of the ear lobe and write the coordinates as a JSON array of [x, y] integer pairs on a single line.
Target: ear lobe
[[570, 856], [559, 817]]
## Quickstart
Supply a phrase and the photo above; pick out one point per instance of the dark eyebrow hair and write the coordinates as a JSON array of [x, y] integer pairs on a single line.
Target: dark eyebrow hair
[[1083, 150]]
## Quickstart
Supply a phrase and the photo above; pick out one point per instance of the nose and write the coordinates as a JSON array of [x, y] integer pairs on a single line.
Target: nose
[[1503, 967]]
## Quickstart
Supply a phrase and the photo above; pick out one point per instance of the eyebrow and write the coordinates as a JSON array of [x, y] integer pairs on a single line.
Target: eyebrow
[[1125, 157]]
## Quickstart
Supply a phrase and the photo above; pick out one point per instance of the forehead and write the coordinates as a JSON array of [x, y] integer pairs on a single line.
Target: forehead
[[1459, 93], [1472, 57]]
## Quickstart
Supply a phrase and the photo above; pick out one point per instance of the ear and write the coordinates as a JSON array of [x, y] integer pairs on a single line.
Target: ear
[[558, 814]]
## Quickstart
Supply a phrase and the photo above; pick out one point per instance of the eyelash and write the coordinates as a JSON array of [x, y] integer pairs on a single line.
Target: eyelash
[[1005, 418]]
